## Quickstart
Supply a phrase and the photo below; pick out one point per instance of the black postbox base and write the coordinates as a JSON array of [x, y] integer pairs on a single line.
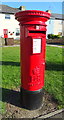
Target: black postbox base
[[31, 99]]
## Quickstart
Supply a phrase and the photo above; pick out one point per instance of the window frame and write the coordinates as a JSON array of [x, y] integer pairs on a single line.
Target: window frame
[[7, 16]]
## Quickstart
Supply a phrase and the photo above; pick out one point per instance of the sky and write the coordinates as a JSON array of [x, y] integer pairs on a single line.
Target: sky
[[55, 7]]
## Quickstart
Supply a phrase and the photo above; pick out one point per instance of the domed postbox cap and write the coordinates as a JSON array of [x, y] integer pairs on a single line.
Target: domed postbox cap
[[32, 15]]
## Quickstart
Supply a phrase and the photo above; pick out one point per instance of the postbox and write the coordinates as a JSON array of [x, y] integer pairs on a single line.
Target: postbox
[[32, 52], [5, 31]]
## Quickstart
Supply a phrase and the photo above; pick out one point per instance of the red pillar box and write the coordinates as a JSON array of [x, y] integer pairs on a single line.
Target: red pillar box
[[5, 31], [33, 47]]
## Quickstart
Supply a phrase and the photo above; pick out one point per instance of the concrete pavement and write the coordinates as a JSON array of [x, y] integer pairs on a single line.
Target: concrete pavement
[[55, 45], [59, 114]]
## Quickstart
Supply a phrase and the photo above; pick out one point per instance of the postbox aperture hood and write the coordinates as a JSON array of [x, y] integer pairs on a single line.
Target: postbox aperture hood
[[32, 15]]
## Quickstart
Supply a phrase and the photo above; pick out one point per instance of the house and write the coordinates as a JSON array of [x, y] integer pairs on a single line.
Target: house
[[56, 24], [9, 23]]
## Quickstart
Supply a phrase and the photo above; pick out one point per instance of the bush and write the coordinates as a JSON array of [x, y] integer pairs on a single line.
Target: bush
[[52, 36], [62, 37]]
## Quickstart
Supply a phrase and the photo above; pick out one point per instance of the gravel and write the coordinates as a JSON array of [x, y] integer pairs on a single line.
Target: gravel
[[15, 110]]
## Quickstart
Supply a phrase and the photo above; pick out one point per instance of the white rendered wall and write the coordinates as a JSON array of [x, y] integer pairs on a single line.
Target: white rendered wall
[[10, 24], [57, 26], [54, 26]]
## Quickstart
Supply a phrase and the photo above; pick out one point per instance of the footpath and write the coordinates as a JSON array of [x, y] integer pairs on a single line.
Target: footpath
[[57, 115], [54, 45], [46, 45]]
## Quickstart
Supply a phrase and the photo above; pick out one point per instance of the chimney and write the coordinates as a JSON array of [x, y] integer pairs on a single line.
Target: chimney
[[22, 8], [49, 11]]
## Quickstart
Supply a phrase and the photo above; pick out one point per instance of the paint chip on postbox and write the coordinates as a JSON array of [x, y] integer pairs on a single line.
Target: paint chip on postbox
[[36, 46]]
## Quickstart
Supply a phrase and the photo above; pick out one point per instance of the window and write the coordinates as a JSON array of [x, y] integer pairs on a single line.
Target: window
[[7, 16], [17, 31]]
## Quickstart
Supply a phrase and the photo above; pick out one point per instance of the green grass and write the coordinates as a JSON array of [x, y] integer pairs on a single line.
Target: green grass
[[53, 74], [10, 71], [11, 67]]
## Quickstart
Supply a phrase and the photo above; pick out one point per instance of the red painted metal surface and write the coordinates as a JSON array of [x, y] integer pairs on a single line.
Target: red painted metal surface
[[32, 29], [5, 31]]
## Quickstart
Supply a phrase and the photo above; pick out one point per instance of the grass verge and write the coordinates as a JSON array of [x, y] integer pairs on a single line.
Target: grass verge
[[53, 74]]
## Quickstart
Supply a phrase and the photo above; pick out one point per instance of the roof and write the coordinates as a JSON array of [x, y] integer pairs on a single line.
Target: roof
[[7, 9], [57, 16], [11, 10]]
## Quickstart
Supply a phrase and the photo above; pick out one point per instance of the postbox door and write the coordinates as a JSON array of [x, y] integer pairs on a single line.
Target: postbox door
[[33, 59], [37, 62]]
